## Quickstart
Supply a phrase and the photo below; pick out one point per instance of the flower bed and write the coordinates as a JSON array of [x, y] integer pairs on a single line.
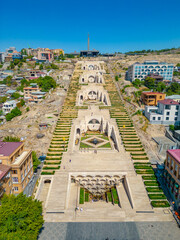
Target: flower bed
[[154, 189], [115, 195]]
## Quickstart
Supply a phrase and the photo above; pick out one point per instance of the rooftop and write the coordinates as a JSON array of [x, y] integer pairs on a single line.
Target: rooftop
[[152, 93], [173, 97], [168, 102], [175, 153], [7, 148], [4, 169], [10, 102]]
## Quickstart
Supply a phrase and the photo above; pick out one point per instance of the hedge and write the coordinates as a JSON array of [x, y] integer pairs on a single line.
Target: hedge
[[81, 199], [160, 204]]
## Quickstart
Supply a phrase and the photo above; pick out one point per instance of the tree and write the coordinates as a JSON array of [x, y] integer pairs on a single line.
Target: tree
[[36, 161], [174, 88], [21, 217], [149, 82], [40, 67], [46, 83], [15, 112], [136, 83], [116, 78], [15, 95], [11, 139], [161, 86]]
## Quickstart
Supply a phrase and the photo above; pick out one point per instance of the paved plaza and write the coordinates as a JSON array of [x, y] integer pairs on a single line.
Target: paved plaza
[[111, 231]]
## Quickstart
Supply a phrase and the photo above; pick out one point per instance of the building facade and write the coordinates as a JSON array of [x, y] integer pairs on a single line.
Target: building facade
[[9, 106], [19, 159], [152, 98], [167, 112], [172, 174], [5, 180], [141, 70]]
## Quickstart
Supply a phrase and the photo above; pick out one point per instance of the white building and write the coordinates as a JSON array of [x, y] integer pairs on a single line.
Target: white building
[[174, 97], [167, 112], [141, 70], [8, 106]]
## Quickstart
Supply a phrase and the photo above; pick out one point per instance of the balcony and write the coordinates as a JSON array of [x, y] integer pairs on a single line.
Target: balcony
[[21, 158]]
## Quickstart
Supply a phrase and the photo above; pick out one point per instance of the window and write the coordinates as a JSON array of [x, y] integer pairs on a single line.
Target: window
[[154, 118], [167, 113], [25, 172], [14, 171], [167, 118], [177, 107], [176, 113], [15, 179], [167, 107], [159, 118], [175, 169], [16, 189]]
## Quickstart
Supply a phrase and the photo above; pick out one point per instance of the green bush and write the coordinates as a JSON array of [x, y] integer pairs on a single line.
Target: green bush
[[154, 189], [47, 173], [15, 112], [151, 183], [86, 197], [160, 204], [109, 196], [11, 139], [153, 177], [157, 196]]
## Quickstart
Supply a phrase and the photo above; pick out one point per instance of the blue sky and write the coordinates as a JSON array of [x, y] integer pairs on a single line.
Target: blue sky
[[116, 25]]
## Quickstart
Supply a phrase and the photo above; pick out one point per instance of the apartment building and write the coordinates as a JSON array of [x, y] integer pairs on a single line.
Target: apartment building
[[141, 70], [9, 106], [5, 180], [167, 112], [152, 98], [19, 159], [172, 174], [28, 90]]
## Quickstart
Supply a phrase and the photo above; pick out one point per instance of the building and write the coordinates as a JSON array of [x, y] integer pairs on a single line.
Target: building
[[9, 106], [176, 134], [152, 98], [3, 89], [86, 53], [36, 96], [155, 76], [141, 70], [172, 174], [2, 55], [28, 90], [5, 180], [16, 56], [14, 155], [33, 93], [57, 52], [167, 112], [37, 73], [174, 98], [45, 56]]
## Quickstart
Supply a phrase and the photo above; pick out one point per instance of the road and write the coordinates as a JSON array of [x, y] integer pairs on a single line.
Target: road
[[28, 191]]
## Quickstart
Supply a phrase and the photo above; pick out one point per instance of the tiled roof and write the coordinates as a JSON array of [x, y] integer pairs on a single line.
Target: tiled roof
[[152, 93], [175, 153], [168, 102], [4, 169], [7, 148]]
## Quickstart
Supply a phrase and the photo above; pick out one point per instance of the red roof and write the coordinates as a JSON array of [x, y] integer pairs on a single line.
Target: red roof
[[168, 102], [153, 93], [7, 148], [4, 169], [175, 153], [33, 78]]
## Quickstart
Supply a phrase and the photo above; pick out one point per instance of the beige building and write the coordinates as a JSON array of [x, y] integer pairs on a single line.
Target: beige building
[[5, 180], [14, 155], [57, 52]]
